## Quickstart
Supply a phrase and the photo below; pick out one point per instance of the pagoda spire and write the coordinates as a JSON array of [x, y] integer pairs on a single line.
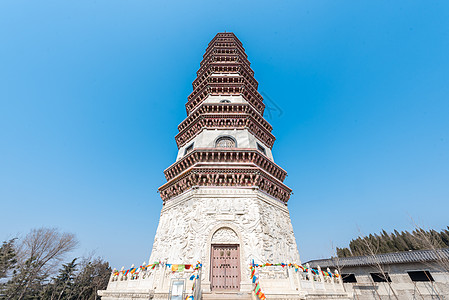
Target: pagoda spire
[[225, 70]]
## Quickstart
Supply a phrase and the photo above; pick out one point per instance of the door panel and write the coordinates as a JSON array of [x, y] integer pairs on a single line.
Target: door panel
[[225, 267]]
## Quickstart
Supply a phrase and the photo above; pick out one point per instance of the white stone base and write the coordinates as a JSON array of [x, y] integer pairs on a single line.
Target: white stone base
[[192, 222], [105, 295]]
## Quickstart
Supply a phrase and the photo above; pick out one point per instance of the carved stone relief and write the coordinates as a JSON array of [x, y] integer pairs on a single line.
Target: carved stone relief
[[225, 236], [266, 230]]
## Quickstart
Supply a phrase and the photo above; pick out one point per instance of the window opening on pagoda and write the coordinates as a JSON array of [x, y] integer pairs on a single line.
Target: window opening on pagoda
[[188, 149], [348, 278], [420, 275], [380, 277], [225, 101], [260, 148], [225, 142]]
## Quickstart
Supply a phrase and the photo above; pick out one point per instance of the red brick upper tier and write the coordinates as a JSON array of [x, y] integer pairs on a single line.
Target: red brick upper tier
[[225, 70]]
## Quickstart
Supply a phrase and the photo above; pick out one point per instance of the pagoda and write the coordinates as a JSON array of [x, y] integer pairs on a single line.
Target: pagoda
[[225, 187], [224, 202]]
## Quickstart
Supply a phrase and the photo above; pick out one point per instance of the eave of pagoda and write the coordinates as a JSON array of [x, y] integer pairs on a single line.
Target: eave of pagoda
[[225, 35], [224, 59], [224, 108], [225, 38], [225, 121], [230, 175], [224, 51], [225, 66], [216, 156], [234, 56], [232, 86], [231, 79], [216, 69], [226, 54]]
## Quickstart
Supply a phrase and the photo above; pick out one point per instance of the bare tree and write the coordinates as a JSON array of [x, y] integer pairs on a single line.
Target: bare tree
[[339, 267], [39, 255], [441, 258], [372, 251], [429, 242]]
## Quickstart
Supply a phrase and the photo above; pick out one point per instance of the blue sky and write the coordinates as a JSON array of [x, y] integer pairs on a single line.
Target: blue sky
[[91, 93]]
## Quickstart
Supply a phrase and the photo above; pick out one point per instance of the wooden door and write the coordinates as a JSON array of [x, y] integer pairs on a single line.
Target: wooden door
[[225, 271]]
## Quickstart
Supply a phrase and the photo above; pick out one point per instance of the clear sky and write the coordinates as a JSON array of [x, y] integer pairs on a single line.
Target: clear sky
[[91, 93]]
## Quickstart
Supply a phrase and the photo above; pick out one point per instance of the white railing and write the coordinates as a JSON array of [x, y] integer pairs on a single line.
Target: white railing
[[157, 277], [294, 278]]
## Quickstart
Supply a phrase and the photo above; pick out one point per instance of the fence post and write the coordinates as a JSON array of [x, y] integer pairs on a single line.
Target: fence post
[[310, 276]]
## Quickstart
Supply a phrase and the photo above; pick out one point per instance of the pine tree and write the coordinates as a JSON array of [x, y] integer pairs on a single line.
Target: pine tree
[[385, 245], [400, 241], [8, 257], [340, 252], [419, 239], [93, 276], [411, 241], [25, 283], [62, 285], [445, 237]]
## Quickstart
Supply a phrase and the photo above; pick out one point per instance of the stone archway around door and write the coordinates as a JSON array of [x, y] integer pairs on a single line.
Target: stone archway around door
[[225, 261]]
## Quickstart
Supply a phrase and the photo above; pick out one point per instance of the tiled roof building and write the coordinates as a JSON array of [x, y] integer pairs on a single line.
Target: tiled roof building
[[421, 274]]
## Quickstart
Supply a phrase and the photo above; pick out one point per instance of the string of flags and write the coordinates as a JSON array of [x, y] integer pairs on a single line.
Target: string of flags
[[173, 267], [298, 267], [137, 270], [179, 267], [255, 280], [194, 277]]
